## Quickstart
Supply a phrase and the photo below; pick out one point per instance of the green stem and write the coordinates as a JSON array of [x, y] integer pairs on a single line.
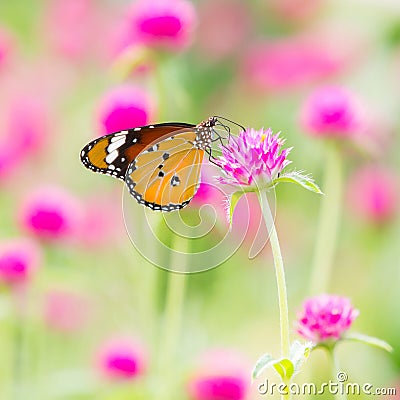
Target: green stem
[[280, 276], [18, 344], [329, 219], [335, 372], [173, 313]]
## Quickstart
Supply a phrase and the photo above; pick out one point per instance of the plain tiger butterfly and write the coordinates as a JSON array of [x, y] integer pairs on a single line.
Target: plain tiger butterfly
[[159, 163]]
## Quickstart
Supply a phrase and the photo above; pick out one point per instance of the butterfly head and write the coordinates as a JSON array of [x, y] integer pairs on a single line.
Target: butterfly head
[[204, 133]]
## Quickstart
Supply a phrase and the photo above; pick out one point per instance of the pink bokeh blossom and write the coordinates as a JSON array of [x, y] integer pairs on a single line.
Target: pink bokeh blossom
[[65, 311], [101, 222], [166, 24], [19, 259], [223, 28], [292, 11], [220, 375], [25, 132], [50, 213], [331, 111], [289, 63], [5, 46], [325, 317], [121, 359], [79, 30], [373, 194], [124, 107]]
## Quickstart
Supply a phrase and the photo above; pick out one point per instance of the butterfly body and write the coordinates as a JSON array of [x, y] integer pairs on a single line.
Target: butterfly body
[[159, 163]]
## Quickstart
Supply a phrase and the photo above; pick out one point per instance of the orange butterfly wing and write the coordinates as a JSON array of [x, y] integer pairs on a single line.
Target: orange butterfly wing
[[111, 154], [165, 177]]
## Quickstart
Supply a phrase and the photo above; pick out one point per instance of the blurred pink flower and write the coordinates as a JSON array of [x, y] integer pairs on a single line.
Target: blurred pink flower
[[208, 192], [5, 46], [101, 222], [331, 111], [50, 213], [294, 10], [121, 359], [28, 133], [291, 62], [22, 136], [373, 194], [220, 375], [65, 312], [160, 23], [325, 317], [253, 158], [74, 26], [223, 28], [124, 107], [19, 258]]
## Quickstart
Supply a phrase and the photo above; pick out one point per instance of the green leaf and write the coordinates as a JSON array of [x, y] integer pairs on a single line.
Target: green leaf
[[299, 353], [301, 179], [233, 200], [284, 368], [372, 341], [264, 362]]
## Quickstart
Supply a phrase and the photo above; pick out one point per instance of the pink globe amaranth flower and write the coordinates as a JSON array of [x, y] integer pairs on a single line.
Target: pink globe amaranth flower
[[291, 11], [70, 24], [22, 137], [373, 194], [124, 107], [5, 46], [28, 134], [220, 375], [289, 63], [101, 222], [161, 23], [325, 317], [50, 213], [121, 359], [331, 111], [223, 28], [19, 258], [65, 311], [254, 158]]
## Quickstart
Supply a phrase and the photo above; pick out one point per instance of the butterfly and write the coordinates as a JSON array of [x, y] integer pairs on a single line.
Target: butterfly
[[160, 164]]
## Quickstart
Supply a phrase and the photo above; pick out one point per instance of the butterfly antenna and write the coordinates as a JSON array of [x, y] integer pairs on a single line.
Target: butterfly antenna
[[229, 120]]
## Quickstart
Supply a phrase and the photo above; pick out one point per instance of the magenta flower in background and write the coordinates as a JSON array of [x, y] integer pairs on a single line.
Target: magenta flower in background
[[124, 107], [5, 46], [65, 311], [223, 28], [27, 134], [121, 359], [331, 111], [50, 213], [288, 63], [254, 158], [160, 23], [290, 11], [373, 194], [220, 375], [101, 221], [19, 258], [22, 137], [325, 317], [71, 26]]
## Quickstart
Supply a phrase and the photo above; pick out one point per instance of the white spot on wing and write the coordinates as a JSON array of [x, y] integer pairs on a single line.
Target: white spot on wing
[[111, 157], [113, 146]]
